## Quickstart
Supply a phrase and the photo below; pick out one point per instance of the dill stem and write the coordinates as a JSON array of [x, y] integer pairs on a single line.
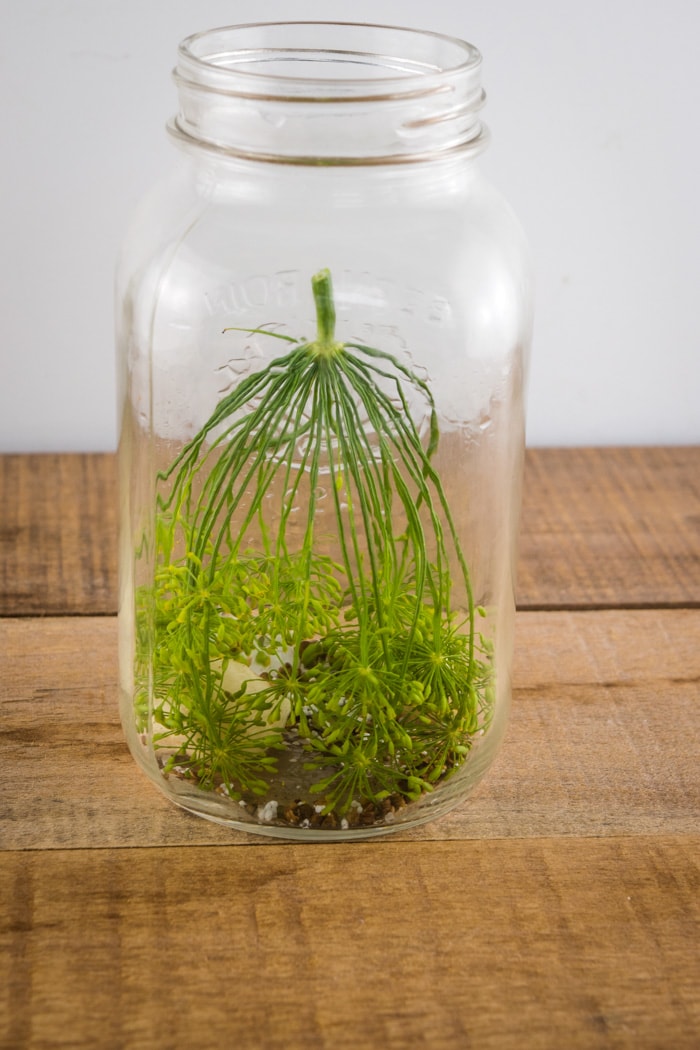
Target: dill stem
[[325, 307]]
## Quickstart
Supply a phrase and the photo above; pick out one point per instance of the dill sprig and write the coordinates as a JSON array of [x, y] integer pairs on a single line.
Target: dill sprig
[[260, 630]]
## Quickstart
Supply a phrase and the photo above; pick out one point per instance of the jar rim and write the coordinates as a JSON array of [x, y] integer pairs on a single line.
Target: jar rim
[[403, 76], [358, 94]]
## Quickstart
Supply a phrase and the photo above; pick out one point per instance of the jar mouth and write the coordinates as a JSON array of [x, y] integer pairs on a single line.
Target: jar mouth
[[335, 93], [324, 60]]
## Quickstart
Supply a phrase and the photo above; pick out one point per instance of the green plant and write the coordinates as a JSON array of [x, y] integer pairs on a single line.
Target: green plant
[[264, 634]]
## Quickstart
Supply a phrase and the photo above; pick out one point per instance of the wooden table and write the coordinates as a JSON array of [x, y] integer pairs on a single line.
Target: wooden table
[[559, 907]]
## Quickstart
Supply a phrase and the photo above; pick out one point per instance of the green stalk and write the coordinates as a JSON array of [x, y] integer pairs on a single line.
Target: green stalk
[[321, 285]]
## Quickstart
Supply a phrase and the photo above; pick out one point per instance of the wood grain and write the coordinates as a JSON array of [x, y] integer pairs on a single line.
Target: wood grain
[[603, 738], [58, 534], [610, 528], [558, 909], [546, 944], [600, 528]]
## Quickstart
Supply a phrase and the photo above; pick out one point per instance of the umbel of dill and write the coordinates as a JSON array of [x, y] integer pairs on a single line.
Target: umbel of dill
[[305, 562]]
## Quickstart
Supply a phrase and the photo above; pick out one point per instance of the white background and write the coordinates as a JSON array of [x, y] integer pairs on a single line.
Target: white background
[[594, 110]]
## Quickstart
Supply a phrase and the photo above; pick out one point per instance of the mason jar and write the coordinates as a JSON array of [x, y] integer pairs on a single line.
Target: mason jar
[[324, 313]]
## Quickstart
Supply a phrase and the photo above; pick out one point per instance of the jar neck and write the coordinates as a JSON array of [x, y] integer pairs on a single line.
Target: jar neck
[[329, 94]]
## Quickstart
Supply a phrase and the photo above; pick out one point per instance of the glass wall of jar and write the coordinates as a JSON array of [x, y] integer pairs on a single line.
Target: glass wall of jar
[[324, 313]]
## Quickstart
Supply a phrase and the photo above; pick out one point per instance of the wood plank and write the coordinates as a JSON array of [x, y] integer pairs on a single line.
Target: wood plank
[[58, 534], [547, 944], [610, 527], [603, 738], [601, 527]]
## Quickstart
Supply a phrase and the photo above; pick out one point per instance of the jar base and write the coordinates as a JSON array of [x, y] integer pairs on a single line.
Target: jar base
[[303, 821]]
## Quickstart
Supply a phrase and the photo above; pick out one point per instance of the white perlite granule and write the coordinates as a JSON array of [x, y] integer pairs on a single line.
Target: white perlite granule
[[267, 813]]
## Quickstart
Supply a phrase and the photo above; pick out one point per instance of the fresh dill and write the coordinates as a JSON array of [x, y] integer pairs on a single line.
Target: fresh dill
[[306, 558]]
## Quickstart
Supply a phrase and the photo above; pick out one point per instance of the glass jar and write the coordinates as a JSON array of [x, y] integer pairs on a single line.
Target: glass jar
[[323, 317]]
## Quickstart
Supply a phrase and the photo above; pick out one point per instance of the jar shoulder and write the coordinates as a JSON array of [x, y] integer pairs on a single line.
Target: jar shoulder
[[208, 230], [159, 222]]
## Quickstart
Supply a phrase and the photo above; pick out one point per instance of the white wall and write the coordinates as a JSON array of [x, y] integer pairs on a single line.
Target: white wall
[[594, 112]]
